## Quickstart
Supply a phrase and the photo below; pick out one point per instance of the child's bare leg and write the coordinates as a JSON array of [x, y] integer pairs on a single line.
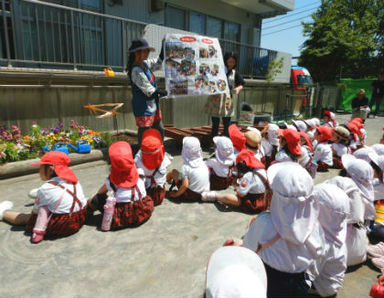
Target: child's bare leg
[[16, 218], [228, 199], [173, 175]]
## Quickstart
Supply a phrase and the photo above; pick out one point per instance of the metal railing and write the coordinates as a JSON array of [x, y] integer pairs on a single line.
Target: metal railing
[[37, 34]]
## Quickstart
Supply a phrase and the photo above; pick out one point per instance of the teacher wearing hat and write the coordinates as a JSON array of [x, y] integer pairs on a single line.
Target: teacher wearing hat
[[145, 93]]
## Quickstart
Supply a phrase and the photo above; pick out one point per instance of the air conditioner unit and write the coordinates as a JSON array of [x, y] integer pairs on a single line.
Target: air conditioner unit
[[156, 5]]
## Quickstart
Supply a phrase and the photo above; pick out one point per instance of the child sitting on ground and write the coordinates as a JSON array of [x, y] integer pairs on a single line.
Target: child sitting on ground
[[253, 143], [133, 206], [329, 119], [151, 158], [193, 178], [221, 164], [252, 195], [306, 154], [340, 139], [60, 200], [323, 150], [270, 142], [290, 149]]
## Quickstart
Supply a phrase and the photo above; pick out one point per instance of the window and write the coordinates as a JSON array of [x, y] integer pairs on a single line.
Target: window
[[214, 27], [231, 31], [175, 17], [197, 23]]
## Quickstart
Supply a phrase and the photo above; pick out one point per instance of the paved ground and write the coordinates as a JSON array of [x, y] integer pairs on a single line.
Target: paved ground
[[166, 257]]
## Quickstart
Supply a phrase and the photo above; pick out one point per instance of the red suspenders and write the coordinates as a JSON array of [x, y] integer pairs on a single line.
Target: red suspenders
[[73, 194]]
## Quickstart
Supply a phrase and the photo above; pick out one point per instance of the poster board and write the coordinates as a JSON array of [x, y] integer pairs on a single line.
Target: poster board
[[194, 66]]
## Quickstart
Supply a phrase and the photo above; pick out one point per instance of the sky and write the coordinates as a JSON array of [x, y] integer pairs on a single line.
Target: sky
[[277, 33]]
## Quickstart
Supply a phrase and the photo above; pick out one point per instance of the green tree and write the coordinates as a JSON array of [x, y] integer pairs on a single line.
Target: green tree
[[343, 39]]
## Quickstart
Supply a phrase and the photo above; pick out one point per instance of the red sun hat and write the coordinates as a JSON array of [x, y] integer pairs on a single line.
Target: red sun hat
[[325, 132], [123, 173], [307, 140], [355, 129], [358, 123], [293, 138], [60, 162], [237, 137], [152, 149], [250, 160]]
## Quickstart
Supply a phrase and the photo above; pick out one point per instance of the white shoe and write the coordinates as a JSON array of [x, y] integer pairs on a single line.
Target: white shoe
[[208, 196], [33, 193], [4, 206]]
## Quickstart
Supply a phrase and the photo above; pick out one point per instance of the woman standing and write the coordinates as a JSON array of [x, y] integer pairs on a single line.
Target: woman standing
[[145, 94], [236, 83]]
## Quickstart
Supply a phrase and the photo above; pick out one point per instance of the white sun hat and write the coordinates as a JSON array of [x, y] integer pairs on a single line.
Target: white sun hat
[[224, 150], [235, 272], [191, 152]]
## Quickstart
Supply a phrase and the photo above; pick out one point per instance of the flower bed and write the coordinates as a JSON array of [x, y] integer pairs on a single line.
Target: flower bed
[[14, 146]]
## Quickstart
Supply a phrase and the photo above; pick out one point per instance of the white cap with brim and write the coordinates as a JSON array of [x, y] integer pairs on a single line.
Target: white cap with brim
[[235, 272]]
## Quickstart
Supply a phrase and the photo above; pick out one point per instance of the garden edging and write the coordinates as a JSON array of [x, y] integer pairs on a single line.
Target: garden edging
[[19, 168]]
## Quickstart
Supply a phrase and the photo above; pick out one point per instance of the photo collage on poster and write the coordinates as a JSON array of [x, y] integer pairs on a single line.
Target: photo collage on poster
[[193, 66]]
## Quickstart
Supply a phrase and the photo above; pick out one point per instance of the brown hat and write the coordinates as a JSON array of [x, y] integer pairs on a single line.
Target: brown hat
[[342, 132], [252, 139]]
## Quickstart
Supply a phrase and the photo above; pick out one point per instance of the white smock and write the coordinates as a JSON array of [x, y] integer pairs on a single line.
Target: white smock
[[328, 271], [293, 217], [357, 240]]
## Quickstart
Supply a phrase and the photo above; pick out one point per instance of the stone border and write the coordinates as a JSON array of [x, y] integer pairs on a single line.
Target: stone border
[[19, 168]]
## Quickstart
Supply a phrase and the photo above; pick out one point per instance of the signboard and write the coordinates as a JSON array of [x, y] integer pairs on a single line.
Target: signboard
[[194, 66]]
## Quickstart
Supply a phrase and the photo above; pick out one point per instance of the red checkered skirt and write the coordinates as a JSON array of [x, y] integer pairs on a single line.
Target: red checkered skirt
[[190, 195], [60, 225], [132, 214], [322, 166], [254, 203], [157, 194], [219, 183], [337, 164]]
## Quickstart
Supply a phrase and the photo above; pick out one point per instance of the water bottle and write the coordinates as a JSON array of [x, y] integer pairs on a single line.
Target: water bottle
[[109, 207], [41, 224]]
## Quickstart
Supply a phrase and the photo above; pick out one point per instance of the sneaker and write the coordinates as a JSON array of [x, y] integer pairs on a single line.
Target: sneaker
[[208, 196], [4, 206], [33, 193], [377, 250]]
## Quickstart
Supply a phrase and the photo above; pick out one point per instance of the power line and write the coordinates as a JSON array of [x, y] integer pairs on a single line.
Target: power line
[[292, 14], [266, 28], [277, 31]]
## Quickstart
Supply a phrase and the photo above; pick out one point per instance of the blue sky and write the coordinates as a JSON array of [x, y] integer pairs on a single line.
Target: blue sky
[[288, 40]]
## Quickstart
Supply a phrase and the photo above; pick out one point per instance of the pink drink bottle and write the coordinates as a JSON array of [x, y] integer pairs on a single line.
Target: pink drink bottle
[[109, 207], [41, 224]]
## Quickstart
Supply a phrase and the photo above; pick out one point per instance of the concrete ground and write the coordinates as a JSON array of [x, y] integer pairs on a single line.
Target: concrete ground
[[166, 257]]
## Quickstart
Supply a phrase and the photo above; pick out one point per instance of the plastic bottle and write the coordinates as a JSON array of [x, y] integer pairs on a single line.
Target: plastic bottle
[[109, 207], [40, 224]]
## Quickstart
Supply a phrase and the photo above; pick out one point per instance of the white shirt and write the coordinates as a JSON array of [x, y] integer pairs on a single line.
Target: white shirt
[[124, 195], [251, 183], [305, 157], [340, 149], [198, 178], [219, 169], [48, 195], [327, 272], [323, 152], [140, 79], [160, 176], [378, 189], [267, 147], [282, 156]]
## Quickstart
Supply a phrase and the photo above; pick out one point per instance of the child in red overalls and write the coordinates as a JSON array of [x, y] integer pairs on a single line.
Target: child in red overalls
[[62, 194], [133, 206], [152, 159]]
